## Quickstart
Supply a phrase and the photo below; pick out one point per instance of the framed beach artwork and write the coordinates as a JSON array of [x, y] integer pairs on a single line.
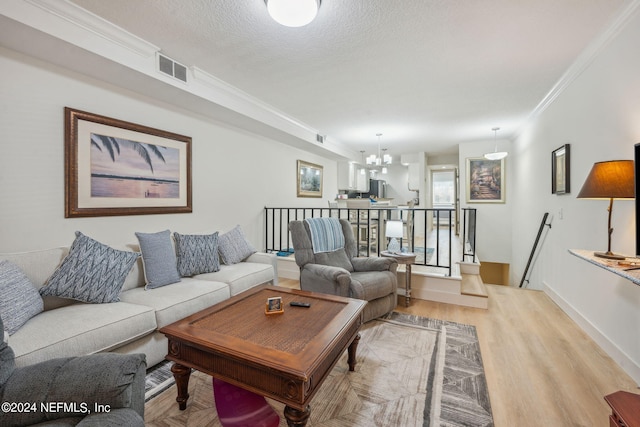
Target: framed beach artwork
[[309, 179], [113, 167], [486, 182]]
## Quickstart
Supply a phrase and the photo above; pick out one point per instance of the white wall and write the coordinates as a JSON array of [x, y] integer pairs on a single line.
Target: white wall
[[493, 237], [397, 177], [599, 115], [235, 173]]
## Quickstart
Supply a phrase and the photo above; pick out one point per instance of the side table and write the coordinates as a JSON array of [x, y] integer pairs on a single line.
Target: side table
[[625, 409], [406, 258]]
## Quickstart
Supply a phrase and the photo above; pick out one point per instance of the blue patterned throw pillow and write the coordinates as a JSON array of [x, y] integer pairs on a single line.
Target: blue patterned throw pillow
[[197, 253], [234, 247], [158, 259], [92, 272], [19, 300]]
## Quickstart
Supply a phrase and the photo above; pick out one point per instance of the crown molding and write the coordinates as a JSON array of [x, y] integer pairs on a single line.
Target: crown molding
[[211, 81], [88, 21], [583, 61]]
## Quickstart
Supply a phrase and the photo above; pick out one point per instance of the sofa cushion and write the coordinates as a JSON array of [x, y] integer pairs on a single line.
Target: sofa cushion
[[80, 329], [91, 272], [234, 246], [158, 259], [197, 253], [101, 379], [178, 300], [7, 358], [241, 276], [20, 299]]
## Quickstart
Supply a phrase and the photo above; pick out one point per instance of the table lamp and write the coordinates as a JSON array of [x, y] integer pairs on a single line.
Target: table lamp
[[610, 180], [394, 230]]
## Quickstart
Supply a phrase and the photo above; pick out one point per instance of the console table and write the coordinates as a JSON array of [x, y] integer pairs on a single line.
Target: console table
[[625, 409], [628, 268]]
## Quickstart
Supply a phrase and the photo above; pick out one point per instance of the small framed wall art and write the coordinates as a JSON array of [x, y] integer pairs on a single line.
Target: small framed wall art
[[113, 167], [560, 171], [309, 180], [485, 180]]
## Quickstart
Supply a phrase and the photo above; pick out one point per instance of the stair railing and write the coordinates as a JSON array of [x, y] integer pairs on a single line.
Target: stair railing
[[278, 240]]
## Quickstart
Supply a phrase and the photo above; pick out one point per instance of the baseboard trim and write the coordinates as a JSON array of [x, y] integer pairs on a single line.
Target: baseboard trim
[[619, 356]]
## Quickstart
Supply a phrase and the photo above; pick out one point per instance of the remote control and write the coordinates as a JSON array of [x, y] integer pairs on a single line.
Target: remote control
[[299, 304]]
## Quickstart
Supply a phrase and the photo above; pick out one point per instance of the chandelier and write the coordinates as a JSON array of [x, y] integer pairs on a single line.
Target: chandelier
[[381, 159]]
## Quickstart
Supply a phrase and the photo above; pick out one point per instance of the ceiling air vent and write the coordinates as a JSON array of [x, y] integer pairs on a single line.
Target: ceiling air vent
[[172, 68], [320, 138]]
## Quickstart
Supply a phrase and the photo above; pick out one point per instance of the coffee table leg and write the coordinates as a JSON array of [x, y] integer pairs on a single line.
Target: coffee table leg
[[181, 375], [353, 347], [296, 417]]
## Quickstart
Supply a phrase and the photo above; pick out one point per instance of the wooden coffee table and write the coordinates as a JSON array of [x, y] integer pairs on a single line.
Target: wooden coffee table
[[284, 356]]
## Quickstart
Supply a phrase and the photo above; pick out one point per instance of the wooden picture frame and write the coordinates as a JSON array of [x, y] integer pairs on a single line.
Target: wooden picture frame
[[274, 306], [309, 179], [560, 170], [485, 180], [113, 167]]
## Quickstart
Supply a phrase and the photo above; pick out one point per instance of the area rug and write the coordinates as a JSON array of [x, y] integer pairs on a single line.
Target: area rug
[[411, 371], [420, 251]]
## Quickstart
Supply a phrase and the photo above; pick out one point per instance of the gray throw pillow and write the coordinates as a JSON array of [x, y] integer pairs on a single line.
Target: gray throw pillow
[[234, 247], [197, 253], [92, 272], [158, 259], [19, 300]]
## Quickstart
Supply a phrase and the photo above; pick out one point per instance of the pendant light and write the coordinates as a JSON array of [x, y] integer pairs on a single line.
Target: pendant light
[[293, 13], [380, 159], [496, 155]]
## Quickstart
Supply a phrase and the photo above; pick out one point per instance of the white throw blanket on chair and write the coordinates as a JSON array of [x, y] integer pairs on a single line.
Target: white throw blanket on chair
[[326, 234]]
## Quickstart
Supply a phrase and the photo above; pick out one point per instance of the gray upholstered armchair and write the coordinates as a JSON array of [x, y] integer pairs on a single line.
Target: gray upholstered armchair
[[105, 389], [333, 267]]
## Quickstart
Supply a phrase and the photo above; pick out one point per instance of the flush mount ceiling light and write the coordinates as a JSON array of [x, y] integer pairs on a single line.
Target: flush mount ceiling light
[[496, 155], [293, 13]]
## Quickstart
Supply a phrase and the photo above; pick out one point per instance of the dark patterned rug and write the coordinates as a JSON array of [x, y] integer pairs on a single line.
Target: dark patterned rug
[[411, 371]]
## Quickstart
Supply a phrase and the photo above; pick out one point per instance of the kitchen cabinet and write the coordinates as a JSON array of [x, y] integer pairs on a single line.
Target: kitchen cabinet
[[350, 177]]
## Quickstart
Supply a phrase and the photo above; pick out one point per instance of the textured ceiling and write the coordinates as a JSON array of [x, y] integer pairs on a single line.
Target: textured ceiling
[[427, 74]]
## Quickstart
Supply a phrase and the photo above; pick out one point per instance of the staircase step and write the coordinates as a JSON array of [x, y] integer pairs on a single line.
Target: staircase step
[[472, 284]]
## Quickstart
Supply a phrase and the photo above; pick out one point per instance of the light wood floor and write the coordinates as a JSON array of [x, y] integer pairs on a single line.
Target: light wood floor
[[542, 369]]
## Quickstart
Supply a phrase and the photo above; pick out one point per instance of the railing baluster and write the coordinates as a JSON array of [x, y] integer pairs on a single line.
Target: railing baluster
[[450, 243]]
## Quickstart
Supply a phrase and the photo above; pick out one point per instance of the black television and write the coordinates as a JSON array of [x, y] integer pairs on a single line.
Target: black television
[[636, 159]]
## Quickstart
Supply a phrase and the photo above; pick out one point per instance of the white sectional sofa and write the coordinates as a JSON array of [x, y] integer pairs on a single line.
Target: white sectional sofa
[[70, 328]]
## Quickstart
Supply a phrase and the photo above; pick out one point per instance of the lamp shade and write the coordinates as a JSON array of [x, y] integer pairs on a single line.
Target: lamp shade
[[394, 229], [612, 179]]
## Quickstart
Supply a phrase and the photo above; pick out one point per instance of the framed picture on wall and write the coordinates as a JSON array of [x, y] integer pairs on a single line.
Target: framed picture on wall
[[560, 170], [309, 179], [113, 167], [486, 182]]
